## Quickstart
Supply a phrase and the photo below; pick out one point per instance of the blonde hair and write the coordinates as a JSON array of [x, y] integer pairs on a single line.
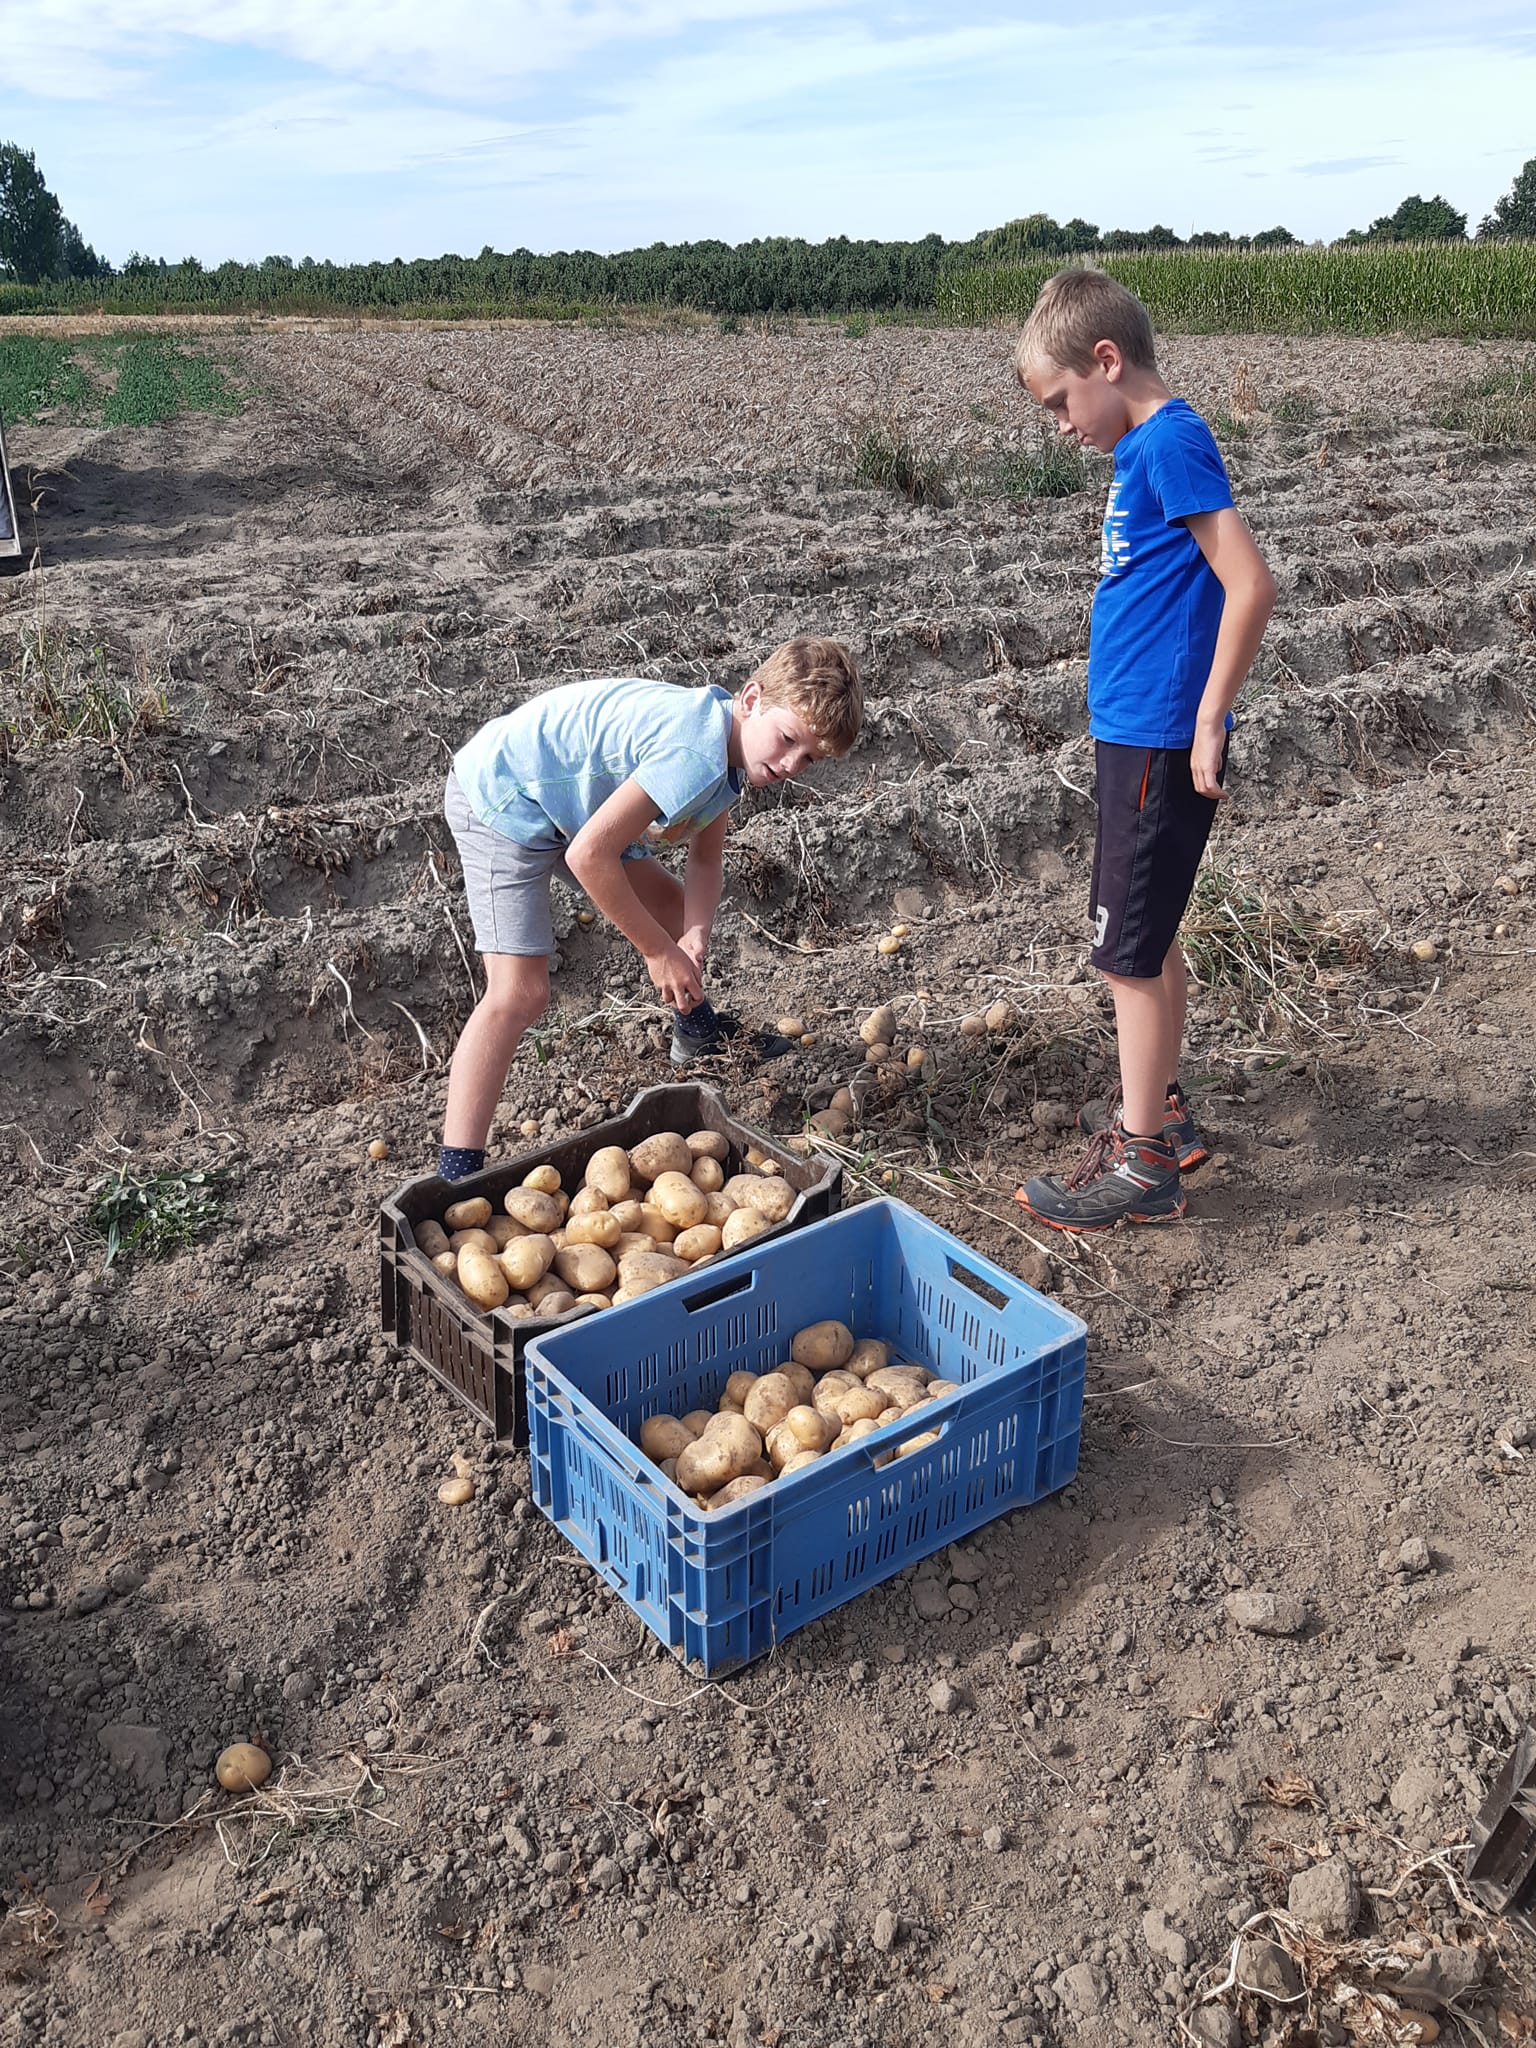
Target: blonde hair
[[818, 679], [1077, 308]]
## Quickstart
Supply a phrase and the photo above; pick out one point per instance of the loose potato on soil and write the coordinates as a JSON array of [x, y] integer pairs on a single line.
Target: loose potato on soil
[[430, 1236], [741, 1226], [822, 1346], [708, 1176], [879, 1027], [544, 1179], [664, 1436], [708, 1145], [457, 1492], [533, 1210], [471, 1214], [482, 1279], [769, 1195], [585, 1268], [666, 1152], [608, 1171], [242, 1767], [701, 1242], [526, 1260], [675, 1195]]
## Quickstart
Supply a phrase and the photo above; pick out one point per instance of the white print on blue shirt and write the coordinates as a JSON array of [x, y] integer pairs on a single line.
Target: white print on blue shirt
[[1116, 555]]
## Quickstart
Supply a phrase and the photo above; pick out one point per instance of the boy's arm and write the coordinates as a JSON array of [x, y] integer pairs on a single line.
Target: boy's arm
[[595, 858], [703, 880], [1244, 575]]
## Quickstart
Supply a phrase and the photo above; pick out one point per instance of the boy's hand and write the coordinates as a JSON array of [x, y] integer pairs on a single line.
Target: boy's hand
[[695, 944], [677, 978], [1205, 754]]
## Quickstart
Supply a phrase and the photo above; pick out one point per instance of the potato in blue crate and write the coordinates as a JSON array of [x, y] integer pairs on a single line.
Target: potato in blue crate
[[984, 1373]]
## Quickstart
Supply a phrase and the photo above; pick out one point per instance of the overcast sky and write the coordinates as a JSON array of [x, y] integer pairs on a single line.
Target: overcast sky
[[374, 128]]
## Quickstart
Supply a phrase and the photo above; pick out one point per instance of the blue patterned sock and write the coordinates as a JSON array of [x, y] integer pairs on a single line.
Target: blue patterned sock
[[458, 1162], [700, 1021]]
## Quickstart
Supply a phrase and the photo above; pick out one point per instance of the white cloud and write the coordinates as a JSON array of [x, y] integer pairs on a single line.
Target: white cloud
[[467, 51], [755, 124]]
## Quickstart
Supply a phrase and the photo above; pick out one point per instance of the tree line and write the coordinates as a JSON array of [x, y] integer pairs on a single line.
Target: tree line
[[44, 253]]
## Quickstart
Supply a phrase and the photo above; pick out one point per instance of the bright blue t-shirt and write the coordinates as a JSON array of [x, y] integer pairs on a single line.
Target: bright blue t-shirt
[[1158, 605], [540, 772]]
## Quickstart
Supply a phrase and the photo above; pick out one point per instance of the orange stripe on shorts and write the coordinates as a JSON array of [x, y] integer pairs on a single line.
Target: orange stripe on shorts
[[1141, 801]]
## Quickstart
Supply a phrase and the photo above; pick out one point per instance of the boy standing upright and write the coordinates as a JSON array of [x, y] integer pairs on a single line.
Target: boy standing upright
[[1182, 603]]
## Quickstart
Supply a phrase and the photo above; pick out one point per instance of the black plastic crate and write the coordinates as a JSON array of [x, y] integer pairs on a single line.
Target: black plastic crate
[[478, 1353]]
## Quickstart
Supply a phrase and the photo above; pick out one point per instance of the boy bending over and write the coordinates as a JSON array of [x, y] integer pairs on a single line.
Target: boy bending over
[[1182, 603], [581, 782]]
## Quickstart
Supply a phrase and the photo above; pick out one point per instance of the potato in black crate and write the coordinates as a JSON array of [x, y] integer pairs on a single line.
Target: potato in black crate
[[477, 1353]]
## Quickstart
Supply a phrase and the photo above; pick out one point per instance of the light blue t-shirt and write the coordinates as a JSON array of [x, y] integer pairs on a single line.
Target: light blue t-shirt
[[540, 773], [1158, 605]]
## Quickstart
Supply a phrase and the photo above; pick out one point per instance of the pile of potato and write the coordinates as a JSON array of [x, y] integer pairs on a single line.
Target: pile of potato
[[832, 1390], [640, 1217]]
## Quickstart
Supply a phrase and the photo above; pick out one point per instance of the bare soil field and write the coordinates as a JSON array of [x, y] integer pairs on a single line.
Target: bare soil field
[[1187, 1752]]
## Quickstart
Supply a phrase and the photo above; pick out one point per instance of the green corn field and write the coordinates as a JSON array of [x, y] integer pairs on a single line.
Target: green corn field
[[1472, 288]]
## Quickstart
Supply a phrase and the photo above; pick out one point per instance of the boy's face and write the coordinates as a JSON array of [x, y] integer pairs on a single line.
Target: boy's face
[[1089, 405], [776, 742]]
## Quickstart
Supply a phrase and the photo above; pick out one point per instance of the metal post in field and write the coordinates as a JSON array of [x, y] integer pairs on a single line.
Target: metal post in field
[[10, 538]]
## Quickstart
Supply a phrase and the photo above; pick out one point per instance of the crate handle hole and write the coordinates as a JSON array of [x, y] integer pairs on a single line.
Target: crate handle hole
[[722, 1290], [990, 1294]]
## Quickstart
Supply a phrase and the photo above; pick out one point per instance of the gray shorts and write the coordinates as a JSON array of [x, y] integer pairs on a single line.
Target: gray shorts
[[506, 883]]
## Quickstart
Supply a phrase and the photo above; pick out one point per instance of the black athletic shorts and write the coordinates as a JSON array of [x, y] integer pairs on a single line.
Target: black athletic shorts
[[1153, 825]]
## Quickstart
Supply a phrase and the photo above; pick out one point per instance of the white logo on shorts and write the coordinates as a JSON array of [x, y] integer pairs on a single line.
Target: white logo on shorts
[[1100, 924]]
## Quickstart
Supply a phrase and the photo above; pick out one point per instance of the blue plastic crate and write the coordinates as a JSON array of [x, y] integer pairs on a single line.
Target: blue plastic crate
[[720, 1589]]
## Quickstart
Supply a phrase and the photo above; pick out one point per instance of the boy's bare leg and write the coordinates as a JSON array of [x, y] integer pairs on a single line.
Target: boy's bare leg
[[1176, 981], [516, 994], [1147, 1013]]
